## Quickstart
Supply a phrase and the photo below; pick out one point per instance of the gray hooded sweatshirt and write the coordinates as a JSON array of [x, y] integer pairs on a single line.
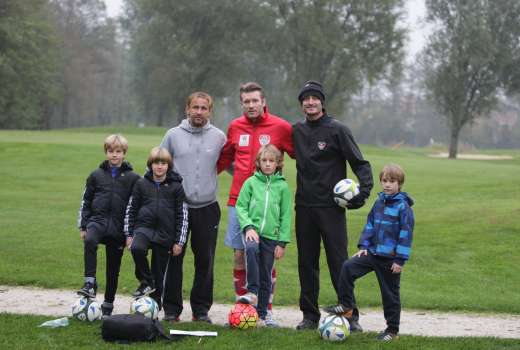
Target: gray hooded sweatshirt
[[195, 152]]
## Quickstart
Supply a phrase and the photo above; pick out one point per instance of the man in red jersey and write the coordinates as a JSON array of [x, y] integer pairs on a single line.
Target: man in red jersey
[[246, 134]]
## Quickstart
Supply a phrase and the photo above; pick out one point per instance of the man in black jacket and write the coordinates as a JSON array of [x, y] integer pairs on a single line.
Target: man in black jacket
[[323, 146]]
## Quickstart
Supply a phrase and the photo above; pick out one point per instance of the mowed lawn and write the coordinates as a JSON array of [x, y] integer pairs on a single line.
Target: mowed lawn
[[21, 332], [465, 253]]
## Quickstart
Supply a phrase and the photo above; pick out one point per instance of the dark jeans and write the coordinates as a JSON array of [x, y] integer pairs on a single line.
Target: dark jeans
[[259, 266], [114, 252], [314, 224], [389, 283], [203, 228], [154, 277]]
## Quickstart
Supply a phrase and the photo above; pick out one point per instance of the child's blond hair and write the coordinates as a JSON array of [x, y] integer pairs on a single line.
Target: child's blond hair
[[274, 151], [115, 141], [159, 154], [392, 172]]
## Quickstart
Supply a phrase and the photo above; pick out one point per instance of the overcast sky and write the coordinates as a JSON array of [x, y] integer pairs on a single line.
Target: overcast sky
[[414, 22]]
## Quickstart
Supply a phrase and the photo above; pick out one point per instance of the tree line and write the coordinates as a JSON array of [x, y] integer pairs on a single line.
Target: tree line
[[64, 63]]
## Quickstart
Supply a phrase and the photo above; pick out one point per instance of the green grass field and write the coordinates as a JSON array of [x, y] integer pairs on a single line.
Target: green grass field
[[464, 254], [80, 335]]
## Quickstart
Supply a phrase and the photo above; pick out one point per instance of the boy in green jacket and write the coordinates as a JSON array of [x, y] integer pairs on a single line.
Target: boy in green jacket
[[264, 213]]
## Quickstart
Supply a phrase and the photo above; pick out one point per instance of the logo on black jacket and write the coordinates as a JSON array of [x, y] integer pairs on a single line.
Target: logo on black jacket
[[322, 145]]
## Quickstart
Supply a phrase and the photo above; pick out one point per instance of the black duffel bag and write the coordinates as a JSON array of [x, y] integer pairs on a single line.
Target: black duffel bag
[[131, 328]]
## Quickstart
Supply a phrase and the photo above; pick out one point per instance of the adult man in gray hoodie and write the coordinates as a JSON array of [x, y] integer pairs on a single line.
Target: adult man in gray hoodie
[[195, 146]]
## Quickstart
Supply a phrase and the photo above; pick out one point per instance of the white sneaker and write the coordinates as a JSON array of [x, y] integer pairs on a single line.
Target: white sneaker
[[270, 321], [260, 323], [248, 298]]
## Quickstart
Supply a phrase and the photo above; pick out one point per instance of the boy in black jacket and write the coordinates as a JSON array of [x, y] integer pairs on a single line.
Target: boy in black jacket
[[156, 219], [101, 216]]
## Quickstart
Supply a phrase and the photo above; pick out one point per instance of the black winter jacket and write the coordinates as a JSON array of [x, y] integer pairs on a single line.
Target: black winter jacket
[[322, 148], [105, 199], [159, 212]]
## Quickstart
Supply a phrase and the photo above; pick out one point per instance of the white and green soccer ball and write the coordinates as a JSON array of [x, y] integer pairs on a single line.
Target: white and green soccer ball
[[85, 309], [145, 306], [344, 191], [334, 328]]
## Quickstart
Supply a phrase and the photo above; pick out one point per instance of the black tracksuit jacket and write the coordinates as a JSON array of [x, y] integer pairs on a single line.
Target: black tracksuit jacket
[[321, 149], [105, 199], [159, 212]]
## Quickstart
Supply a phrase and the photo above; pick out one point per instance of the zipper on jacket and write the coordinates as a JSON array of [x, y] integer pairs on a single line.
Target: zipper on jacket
[[109, 216], [157, 206], [268, 183], [252, 158]]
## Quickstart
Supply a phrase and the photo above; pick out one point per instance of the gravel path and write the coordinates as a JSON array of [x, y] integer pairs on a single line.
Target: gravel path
[[26, 300]]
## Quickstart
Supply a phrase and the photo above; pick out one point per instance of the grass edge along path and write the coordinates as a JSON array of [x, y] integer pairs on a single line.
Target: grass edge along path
[[57, 303]]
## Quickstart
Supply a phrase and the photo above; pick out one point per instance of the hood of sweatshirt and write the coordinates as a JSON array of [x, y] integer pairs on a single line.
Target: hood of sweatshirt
[[396, 197]]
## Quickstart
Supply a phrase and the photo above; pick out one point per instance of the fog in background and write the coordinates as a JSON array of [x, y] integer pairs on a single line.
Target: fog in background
[[126, 62]]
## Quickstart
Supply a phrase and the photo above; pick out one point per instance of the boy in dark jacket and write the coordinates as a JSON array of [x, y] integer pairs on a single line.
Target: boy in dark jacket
[[101, 216], [156, 219], [384, 247]]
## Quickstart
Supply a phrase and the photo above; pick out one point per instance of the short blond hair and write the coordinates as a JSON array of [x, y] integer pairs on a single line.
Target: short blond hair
[[272, 149], [199, 94], [115, 141], [392, 172], [159, 154], [251, 87]]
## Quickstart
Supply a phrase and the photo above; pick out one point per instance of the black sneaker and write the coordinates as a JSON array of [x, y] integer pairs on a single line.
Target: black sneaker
[[355, 327], [307, 324], [88, 290], [346, 312], [143, 290], [203, 318], [387, 336], [339, 310], [106, 309]]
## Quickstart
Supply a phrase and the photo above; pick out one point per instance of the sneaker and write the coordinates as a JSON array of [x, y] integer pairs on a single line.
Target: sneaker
[[106, 309], [307, 324], [270, 321], [355, 327], [260, 323], [203, 318], [339, 310], [88, 290], [387, 336], [143, 290], [172, 318], [248, 298]]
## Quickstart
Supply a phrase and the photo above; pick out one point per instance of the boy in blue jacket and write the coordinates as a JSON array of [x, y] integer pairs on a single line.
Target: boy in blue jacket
[[384, 247]]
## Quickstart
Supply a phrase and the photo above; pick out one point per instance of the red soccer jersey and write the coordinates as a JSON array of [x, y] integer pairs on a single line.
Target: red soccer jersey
[[244, 139]]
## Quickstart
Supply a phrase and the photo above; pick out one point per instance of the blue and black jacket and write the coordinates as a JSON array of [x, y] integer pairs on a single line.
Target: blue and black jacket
[[389, 228]]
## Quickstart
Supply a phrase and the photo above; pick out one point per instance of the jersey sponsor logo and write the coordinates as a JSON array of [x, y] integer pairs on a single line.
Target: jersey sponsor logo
[[243, 140], [322, 145], [264, 139]]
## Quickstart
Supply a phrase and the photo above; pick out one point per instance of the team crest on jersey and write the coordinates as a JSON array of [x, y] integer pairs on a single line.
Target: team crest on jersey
[[264, 139], [322, 145], [243, 140]]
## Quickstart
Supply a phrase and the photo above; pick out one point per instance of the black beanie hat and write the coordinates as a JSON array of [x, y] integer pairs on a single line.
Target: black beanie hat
[[314, 88]]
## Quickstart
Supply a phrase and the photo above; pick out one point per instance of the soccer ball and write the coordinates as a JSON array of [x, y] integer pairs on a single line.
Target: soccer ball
[[145, 306], [85, 309], [334, 328], [242, 316], [344, 191]]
